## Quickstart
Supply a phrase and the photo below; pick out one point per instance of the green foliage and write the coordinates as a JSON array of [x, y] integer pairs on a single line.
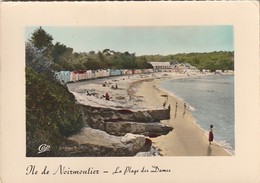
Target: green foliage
[[36, 60], [142, 63], [211, 61], [58, 51], [51, 113], [41, 39], [92, 64]]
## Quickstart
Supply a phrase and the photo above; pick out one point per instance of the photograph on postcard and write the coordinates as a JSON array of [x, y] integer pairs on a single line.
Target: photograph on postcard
[[129, 91]]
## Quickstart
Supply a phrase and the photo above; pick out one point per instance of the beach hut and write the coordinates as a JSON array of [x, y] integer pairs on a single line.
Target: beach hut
[[124, 71], [138, 71], [98, 74], [93, 74], [104, 73], [74, 76], [82, 75], [89, 74], [63, 76], [130, 72], [115, 72], [108, 72]]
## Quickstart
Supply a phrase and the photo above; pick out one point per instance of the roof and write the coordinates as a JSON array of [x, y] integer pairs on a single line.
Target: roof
[[160, 63]]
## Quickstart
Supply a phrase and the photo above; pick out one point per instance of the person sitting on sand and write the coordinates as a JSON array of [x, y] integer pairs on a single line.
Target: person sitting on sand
[[114, 87], [211, 135], [88, 94], [107, 96]]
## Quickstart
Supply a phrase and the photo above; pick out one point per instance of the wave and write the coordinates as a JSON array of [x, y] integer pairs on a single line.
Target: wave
[[191, 108]]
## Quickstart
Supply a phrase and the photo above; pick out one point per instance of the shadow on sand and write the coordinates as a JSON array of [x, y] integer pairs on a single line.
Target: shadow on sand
[[209, 150]]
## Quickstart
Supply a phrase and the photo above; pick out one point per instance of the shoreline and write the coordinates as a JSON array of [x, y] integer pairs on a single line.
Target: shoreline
[[226, 147], [187, 138], [143, 91]]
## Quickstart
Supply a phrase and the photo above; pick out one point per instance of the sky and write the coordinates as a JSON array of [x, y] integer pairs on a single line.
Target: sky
[[143, 40]]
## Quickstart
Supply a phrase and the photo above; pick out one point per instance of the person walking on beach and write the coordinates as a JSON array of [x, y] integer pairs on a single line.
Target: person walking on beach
[[165, 102], [184, 109], [176, 107], [211, 135]]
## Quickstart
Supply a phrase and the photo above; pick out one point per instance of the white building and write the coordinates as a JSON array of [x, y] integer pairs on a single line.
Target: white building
[[161, 65]]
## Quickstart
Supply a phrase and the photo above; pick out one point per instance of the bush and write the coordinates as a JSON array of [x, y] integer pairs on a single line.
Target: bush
[[36, 60], [51, 113]]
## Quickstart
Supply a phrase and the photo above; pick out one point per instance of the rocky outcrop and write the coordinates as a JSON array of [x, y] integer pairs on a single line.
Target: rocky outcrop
[[144, 116], [120, 128], [120, 122], [92, 142], [112, 132]]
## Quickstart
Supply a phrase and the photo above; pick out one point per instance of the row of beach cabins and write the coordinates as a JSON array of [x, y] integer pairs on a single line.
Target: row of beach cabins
[[81, 75]]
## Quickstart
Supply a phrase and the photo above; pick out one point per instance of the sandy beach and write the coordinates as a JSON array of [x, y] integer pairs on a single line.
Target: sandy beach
[[142, 92]]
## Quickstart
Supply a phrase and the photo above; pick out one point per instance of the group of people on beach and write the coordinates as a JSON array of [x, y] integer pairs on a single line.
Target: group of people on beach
[[210, 135], [108, 84], [105, 84], [176, 108]]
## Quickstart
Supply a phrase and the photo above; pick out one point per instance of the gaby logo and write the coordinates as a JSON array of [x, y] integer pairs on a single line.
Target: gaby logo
[[43, 148]]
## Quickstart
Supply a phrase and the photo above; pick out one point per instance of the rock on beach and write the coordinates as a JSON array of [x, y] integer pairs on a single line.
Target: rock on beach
[[93, 142]]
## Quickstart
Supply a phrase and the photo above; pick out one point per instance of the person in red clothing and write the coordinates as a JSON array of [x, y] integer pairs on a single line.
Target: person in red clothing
[[107, 96], [211, 135]]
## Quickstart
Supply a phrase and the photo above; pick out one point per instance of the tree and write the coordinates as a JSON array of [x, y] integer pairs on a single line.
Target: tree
[[142, 63], [36, 60], [92, 64], [63, 57], [106, 52], [41, 39], [58, 51]]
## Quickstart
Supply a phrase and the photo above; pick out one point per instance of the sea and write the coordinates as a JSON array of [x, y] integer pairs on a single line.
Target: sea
[[211, 102]]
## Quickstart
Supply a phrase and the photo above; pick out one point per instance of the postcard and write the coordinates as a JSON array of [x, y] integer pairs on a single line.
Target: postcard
[[130, 91]]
